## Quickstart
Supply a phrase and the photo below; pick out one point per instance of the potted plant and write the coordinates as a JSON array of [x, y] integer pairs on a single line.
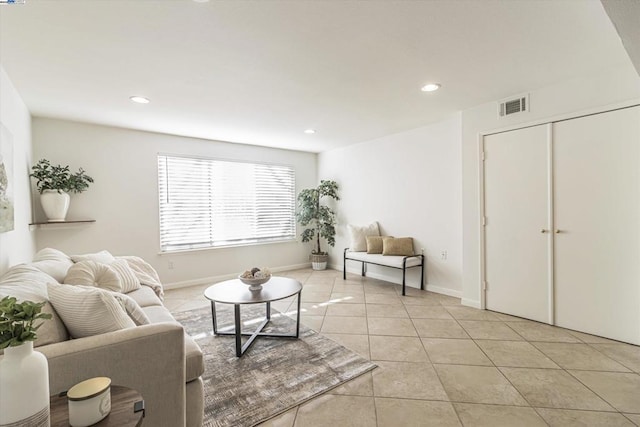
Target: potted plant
[[319, 219], [24, 373], [54, 183]]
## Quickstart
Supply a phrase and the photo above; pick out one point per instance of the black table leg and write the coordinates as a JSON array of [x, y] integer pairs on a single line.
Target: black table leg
[[236, 308], [213, 316]]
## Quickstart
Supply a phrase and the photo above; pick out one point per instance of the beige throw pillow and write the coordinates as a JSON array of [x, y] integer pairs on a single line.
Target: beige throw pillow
[[88, 311], [92, 273], [359, 235], [132, 308], [104, 257], [374, 244], [128, 278], [397, 246], [53, 262]]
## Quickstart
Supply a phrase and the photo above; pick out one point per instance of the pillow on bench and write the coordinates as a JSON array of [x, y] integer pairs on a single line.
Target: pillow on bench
[[402, 246], [374, 244], [359, 235]]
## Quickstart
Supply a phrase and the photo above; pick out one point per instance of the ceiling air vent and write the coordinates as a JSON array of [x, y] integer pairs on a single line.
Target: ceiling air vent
[[514, 105]]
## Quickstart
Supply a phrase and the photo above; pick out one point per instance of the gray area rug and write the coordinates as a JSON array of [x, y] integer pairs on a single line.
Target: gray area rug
[[274, 375]]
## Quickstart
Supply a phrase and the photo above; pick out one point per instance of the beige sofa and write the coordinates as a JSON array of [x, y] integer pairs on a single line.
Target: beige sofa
[[158, 359]]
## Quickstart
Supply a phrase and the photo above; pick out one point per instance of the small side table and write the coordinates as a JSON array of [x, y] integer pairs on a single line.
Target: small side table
[[124, 402]]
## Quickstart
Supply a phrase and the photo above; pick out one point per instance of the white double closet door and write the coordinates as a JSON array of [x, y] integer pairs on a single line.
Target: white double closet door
[[562, 223]]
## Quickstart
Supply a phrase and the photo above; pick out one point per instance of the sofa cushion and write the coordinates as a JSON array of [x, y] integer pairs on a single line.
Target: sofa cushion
[[92, 273], [88, 311], [104, 257], [53, 262], [194, 363], [145, 297], [402, 246], [158, 314], [359, 235], [127, 276]]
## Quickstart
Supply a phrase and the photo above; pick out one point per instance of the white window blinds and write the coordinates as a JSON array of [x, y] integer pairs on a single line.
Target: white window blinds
[[207, 202]]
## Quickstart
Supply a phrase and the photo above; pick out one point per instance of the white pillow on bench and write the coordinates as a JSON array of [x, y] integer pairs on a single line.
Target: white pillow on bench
[[359, 235]]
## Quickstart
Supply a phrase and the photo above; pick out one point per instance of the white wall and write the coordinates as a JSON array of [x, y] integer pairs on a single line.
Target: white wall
[[591, 91], [411, 184], [18, 245], [124, 197]]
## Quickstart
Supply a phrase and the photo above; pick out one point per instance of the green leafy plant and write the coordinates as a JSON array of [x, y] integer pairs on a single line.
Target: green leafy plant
[[319, 219], [17, 321], [59, 178]]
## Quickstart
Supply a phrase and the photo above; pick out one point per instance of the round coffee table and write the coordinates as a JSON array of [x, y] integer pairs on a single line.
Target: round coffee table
[[237, 293]]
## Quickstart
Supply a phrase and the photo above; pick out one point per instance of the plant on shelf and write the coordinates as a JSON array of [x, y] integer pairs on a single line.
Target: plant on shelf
[[17, 321], [318, 219], [53, 184], [59, 178]]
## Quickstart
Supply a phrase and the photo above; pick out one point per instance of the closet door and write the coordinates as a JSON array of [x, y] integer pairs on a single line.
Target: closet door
[[597, 214], [517, 238]]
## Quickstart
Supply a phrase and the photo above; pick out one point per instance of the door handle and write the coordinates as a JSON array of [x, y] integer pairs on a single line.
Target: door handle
[[544, 230], [558, 231]]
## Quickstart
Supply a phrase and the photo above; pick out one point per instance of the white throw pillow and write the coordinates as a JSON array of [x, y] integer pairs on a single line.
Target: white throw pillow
[[91, 273], [132, 308], [104, 257], [359, 235], [88, 311], [53, 262], [128, 278]]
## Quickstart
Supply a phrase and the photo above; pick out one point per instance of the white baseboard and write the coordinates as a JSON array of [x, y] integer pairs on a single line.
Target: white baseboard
[[471, 303], [444, 291], [215, 279]]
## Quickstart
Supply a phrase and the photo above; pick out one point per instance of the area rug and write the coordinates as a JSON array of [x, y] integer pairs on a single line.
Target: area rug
[[274, 375]]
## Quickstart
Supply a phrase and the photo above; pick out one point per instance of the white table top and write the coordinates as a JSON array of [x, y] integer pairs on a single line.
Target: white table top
[[236, 292]]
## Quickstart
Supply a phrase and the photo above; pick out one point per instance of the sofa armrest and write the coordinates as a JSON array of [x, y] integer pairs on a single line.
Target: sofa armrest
[[148, 358]]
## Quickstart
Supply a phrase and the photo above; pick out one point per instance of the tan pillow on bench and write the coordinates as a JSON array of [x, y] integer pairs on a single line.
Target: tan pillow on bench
[[374, 244], [402, 246]]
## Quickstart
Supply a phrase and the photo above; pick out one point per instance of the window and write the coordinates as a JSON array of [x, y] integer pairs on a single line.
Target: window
[[207, 203]]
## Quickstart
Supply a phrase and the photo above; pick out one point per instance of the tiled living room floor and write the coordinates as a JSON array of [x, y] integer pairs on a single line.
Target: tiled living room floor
[[443, 364]]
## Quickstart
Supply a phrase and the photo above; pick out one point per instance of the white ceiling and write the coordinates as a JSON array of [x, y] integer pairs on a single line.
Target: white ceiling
[[261, 72]]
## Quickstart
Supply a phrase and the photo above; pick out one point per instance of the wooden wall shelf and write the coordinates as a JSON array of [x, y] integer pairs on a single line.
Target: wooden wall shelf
[[61, 224]]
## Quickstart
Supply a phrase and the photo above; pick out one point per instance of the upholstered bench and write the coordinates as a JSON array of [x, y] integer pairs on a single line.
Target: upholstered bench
[[391, 261]]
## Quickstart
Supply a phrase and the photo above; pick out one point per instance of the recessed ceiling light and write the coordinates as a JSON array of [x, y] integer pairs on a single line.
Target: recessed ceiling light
[[309, 131], [139, 99], [430, 87]]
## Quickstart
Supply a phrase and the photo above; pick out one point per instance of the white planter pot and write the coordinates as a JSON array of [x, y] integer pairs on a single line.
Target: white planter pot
[[55, 205], [24, 381]]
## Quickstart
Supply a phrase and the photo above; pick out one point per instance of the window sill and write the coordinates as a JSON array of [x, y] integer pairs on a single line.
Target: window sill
[[213, 248]]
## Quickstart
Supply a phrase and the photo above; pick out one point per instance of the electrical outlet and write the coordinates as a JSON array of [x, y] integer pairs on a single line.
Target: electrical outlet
[[170, 265], [443, 255], [422, 251]]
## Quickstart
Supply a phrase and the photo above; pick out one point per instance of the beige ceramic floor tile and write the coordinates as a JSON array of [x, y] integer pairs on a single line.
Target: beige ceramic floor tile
[[486, 330], [621, 390], [455, 352], [337, 410], [635, 418], [308, 309], [591, 339], [382, 299], [361, 386], [385, 288], [473, 414], [342, 288], [478, 384], [508, 318], [313, 322], [439, 328], [391, 326], [448, 300], [399, 349], [344, 325], [573, 418], [405, 412], [427, 312], [354, 310], [626, 354], [420, 300], [386, 310], [470, 313], [578, 356], [346, 298], [553, 388], [317, 297], [533, 331], [357, 343], [283, 420], [517, 354], [407, 380]]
